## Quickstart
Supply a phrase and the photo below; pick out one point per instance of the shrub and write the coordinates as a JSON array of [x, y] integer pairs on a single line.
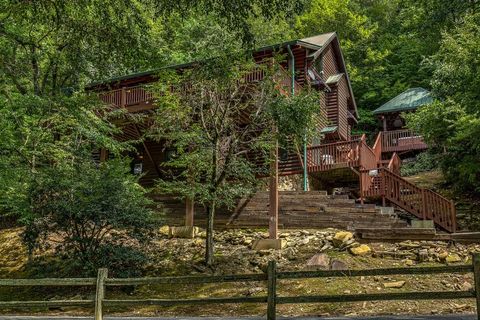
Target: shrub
[[423, 162], [94, 215]]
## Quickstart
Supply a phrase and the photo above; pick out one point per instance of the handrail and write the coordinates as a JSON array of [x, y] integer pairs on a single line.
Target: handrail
[[377, 147], [423, 203], [395, 163], [271, 277]]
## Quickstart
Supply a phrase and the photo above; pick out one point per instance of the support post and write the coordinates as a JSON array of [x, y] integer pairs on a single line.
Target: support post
[[103, 154], [361, 186], [476, 276], [100, 293], [123, 98], [424, 206], [273, 208], [305, 165], [189, 211], [272, 290]]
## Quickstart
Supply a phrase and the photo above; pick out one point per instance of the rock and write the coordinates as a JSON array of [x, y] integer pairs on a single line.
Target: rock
[[442, 255], [341, 238], [361, 250], [409, 262], [325, 247], [165, 230], [466, 286], [336, 264], [395, 284], [267, 244], [304, 241], [453, 258], [182, 232], [320, 260]]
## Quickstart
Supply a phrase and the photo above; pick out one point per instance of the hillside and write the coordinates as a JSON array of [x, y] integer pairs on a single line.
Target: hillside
[[305, 249]]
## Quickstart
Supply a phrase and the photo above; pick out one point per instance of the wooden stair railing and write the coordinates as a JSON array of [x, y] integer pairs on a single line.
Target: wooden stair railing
[[422, 203]]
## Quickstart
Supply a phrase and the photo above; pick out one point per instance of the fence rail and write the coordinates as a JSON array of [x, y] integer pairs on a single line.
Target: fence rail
[[272, 277]]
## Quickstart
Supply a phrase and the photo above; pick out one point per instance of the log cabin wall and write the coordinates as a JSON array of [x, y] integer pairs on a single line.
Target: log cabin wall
[[336, 101], [343, 128]]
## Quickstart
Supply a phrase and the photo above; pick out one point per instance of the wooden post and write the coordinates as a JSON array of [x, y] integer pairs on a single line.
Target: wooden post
[[384, 123], [189, 211], [100, 294], [123, 98], [272, 290], [383, 186], [103, 154], [424, 206], [273, 209], [361, 186], [476, 276], [453, 212]]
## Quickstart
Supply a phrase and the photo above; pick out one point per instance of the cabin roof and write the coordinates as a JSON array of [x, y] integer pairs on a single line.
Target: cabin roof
[[410, 99], [315, 42]]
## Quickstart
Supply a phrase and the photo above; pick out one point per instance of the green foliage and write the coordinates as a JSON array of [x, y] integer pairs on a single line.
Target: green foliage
[[425, 161], [453, 123], [98, 212]]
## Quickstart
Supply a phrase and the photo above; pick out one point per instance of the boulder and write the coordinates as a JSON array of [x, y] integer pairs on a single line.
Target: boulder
[[182, 232], [320, 260], [453, 258], [341, 238], [394, 284], [165, 230], [361, 250], [336, 264], [267, 244]]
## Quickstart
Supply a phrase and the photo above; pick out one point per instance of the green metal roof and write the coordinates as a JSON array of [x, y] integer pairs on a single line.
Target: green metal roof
[[410, 99], [329, 129]]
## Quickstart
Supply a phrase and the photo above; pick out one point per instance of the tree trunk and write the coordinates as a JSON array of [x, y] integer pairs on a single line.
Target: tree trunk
[[209, 241]]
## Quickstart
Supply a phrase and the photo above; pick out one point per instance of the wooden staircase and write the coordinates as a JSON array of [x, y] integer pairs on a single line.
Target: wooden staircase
[[378, 178]]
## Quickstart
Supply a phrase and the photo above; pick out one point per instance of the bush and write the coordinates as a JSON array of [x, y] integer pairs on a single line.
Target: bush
[[94, 215], [423, 162]]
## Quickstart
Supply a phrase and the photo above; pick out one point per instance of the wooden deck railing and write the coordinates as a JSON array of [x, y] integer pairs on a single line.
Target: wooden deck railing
[[334, 155], [272, 278], [128, 96], [401, 140], [423, 203]]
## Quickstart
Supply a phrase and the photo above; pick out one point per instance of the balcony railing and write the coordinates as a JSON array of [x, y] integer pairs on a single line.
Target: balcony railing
[[402, 140], [130, 96]]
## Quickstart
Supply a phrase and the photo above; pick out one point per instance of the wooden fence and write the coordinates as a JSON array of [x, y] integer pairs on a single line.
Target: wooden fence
[[272, 276]]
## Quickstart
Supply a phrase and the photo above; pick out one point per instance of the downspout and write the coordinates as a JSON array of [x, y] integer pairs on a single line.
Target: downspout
[[292, 70]]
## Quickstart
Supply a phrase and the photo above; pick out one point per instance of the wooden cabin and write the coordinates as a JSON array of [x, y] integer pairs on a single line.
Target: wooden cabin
[[395, 137], [316, 62]]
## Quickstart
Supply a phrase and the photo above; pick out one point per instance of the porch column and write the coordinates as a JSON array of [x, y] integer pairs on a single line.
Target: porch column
[[189, 211], [273, 209], [384, 118]]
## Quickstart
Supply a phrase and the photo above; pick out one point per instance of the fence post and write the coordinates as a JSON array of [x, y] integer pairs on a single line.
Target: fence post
[[476, 276], [272, 290], [100, 293]]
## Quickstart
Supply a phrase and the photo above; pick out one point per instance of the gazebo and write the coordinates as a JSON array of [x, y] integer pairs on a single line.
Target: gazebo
[[407, 101]]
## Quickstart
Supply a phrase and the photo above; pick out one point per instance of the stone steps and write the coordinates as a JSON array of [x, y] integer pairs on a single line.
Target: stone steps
[[297, 209]]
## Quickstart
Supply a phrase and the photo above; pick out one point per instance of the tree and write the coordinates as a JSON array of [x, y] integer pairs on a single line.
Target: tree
[[221, 130], [453, 122]]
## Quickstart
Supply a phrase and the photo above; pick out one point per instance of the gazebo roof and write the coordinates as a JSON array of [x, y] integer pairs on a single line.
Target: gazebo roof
[[408, 100]]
